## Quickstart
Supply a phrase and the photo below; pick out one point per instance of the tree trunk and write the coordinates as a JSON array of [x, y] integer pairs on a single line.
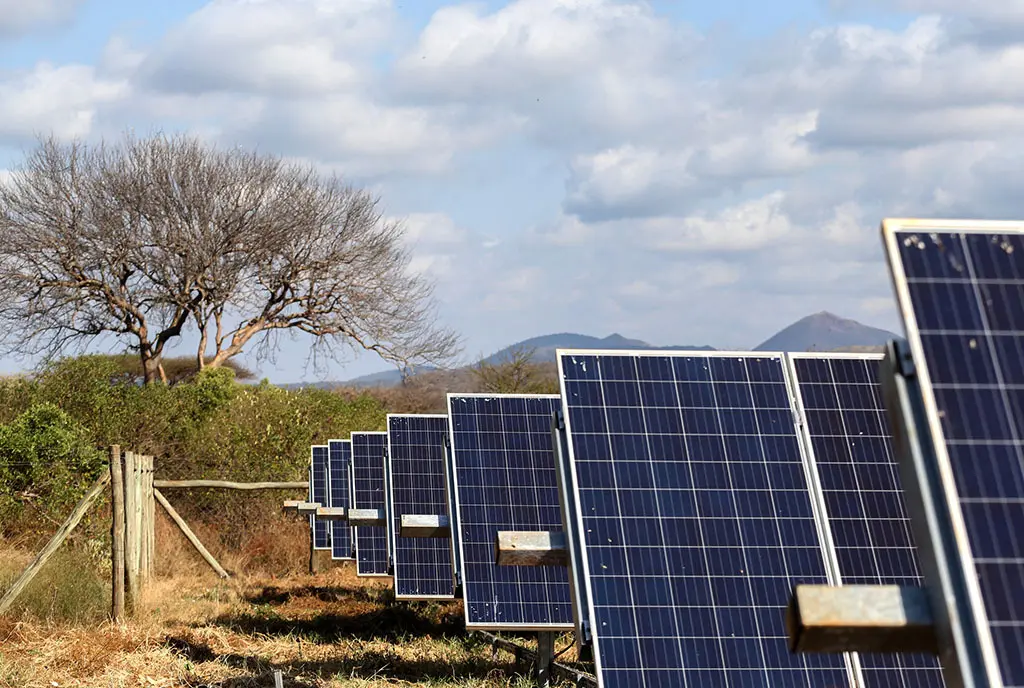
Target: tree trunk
[[150, 369], [201, 349]]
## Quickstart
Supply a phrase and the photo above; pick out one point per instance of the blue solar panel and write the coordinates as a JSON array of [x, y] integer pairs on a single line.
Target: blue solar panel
[[368, 450], [340, 453], [505, 480], [696, 518], [851, 445], [960, 289], [318, 493], [416, 475]]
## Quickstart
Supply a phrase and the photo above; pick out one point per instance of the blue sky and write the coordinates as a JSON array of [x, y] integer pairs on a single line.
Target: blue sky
[[680, 172]]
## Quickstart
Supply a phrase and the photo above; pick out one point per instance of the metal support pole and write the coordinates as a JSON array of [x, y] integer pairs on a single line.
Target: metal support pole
[[545, 658]]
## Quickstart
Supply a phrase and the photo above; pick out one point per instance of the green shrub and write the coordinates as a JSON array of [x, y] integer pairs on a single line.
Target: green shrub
[[59, 424], [48, 462]]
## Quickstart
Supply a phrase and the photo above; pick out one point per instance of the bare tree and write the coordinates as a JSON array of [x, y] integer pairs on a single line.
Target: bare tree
[[516, 373], [143, 239]]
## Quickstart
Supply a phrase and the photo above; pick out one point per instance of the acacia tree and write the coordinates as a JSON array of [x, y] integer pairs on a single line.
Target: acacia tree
[[516, 373], [143, 239]]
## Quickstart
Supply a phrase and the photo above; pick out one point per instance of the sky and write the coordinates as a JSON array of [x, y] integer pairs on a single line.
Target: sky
[[679, 172]]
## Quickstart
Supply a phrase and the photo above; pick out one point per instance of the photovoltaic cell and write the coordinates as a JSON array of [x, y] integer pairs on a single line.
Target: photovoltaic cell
[[851, 446], [505, 480], [340, 454], [318, 494], [696, 518], [416, 475], [961, 294], [368, 449]]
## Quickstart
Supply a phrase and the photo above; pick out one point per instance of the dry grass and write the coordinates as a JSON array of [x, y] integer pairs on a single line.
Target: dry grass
[[333, 629]]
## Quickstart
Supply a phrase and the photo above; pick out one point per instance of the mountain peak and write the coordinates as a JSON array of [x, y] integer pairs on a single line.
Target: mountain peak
[[822, 331], [825, 331]]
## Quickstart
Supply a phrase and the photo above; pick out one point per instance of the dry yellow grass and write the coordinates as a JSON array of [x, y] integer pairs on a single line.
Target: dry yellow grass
[[329, 630]]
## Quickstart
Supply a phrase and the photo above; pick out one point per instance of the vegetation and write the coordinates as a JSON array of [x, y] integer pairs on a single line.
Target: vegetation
[[140, 240], [517, 373], [53, 426], [332, 631]]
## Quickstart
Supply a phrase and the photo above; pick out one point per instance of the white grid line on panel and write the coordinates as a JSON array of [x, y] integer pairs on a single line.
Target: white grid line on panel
[[639, 666], [422, 566], [483, 460]]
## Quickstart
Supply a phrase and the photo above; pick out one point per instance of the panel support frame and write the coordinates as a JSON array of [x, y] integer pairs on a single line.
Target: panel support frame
[[860, 618], [424, 526], [453, 517], [531, 548], [577, 587], [960, 648]]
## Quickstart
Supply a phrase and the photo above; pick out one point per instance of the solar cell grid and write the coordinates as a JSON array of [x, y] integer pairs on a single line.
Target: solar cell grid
[[318, 491], [416, 477], [340, 456], [851, 447], [505, 480], [368, 450], [960, 287], [695, 515]]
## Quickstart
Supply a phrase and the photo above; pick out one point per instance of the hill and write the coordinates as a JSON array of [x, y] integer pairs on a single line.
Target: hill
[[822, 331], [826, 331], [544, 347]]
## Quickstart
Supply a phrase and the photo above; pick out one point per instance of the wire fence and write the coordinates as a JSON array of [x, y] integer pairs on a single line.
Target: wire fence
[[244, 530]]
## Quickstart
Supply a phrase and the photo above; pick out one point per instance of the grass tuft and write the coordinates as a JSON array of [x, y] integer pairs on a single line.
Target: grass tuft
[[69, 588], [331, 630]]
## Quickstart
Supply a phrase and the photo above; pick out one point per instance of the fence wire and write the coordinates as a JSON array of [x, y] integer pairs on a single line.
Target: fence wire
[[244, 530]]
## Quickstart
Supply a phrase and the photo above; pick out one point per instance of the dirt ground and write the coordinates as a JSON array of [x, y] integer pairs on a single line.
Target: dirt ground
[[333, 629]]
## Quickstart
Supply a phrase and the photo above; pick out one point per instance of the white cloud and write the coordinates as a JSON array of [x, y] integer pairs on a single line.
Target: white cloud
[[567, 68], [59, 99], [744, 227], [431, 228], [271, 47], [630, 181], [21, 16], [712, 190]]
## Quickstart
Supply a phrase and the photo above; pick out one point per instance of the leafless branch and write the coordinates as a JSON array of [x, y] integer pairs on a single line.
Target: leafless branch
[[148, 237]]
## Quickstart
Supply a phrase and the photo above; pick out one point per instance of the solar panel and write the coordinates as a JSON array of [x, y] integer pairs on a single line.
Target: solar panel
[[416, 469], [368, 450], [696, 518], [318, 493], [340, 455], [960, 289], [504, 479], [850, 445]]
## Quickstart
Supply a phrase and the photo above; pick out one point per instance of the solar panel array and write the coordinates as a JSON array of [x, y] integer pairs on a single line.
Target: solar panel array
[[368, 450], [416, 480], [340, 457], [505, 480], [961, 294], [696, 518], [318, 493], [851, 447], [704, 486]]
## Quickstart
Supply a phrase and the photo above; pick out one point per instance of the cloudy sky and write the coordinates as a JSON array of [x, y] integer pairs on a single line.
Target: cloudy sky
[[680, 172]]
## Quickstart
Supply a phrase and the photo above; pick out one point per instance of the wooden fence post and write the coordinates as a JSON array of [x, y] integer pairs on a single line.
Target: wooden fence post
[[131, 530], [145, 490], [151, 508], [58, 538], [116, 534]]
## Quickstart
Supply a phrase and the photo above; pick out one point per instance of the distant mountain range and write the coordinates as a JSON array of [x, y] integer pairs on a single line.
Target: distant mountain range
[[544, 347], [819, 332], [825, 331]]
